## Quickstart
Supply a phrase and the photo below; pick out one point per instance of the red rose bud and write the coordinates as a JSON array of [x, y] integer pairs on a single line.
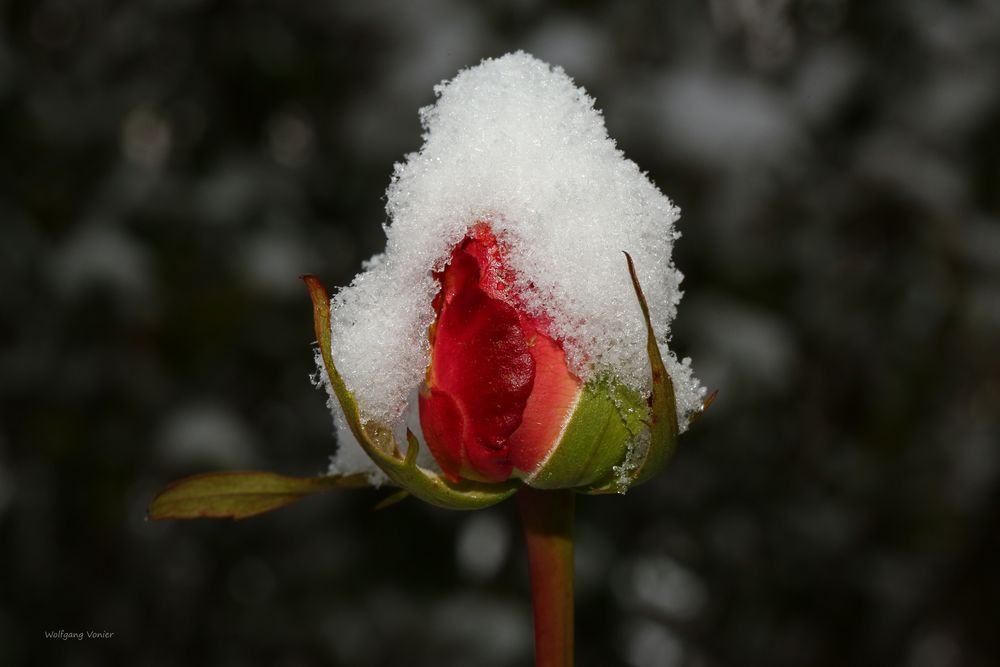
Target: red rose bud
[[499, 398], [500, 407]]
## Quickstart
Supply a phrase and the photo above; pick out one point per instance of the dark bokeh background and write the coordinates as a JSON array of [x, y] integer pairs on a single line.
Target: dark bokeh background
[[169, 168]]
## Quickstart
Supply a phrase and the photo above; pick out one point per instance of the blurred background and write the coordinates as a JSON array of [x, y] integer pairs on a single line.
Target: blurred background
[[169, 168]]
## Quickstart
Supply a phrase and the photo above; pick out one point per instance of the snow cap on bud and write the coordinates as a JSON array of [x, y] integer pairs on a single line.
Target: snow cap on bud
[[502, 306]]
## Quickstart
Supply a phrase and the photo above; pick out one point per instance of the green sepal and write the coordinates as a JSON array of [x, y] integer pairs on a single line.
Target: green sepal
[[662, 416], [379, 443], [606, 419], [240, 494], [663, 429]]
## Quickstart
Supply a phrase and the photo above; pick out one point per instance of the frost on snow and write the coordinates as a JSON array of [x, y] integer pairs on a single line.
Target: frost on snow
[[515, 143]]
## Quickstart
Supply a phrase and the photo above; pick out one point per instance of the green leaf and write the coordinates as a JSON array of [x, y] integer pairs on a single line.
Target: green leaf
[[241, 494]]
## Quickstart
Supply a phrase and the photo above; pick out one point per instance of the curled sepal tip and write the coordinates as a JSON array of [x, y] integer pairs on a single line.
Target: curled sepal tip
[[695, 416], [378, 442], [391, 500]]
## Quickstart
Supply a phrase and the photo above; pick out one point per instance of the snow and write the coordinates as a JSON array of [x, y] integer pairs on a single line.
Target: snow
[[515, 143]]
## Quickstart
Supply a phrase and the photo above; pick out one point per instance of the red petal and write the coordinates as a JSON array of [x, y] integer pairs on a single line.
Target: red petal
[[555, 389], [550, 405], [443, 426], [495, 279], [480, 377]]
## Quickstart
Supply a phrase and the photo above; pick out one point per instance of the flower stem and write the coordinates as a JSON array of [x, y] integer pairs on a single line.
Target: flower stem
[[548, 529]]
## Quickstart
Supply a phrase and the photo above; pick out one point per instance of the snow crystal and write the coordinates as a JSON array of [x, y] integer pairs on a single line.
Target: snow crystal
[[513, 142]]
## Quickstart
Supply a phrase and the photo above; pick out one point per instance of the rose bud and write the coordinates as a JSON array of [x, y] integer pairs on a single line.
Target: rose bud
[[503, 325]]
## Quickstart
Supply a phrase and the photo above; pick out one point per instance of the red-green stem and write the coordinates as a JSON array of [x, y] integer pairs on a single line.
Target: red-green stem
[[548, 529]]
